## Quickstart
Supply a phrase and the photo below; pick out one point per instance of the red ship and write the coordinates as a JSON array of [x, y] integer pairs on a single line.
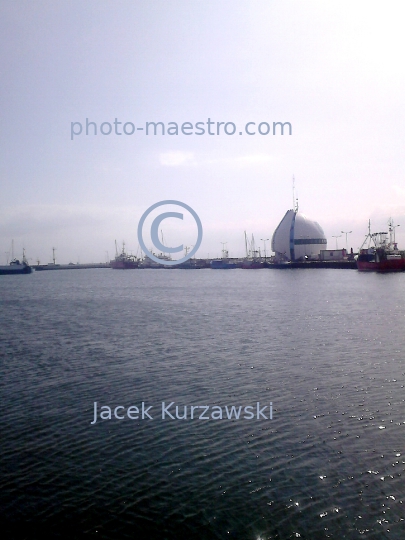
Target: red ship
[[123, 261], [382, 253]]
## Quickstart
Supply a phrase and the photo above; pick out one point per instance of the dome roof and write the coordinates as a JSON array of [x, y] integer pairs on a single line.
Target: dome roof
[[297, 236]]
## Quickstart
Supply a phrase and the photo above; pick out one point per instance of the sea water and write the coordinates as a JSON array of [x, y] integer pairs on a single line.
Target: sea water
[[324, 348]]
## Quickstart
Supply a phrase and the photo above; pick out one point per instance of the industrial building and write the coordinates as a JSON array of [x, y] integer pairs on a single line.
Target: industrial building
[[297, 238]]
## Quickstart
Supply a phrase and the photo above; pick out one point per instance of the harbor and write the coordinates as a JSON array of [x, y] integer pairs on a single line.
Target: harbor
[[198, 264], [297, 243]]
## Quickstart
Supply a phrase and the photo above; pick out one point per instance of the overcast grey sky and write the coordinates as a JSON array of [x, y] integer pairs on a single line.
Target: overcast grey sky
[[334, 70]]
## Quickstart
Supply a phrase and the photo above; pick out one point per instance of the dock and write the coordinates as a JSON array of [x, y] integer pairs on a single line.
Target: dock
[[70, 266]]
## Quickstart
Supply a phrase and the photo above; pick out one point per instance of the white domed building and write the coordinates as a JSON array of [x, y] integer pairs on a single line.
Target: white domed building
[[297, 238]]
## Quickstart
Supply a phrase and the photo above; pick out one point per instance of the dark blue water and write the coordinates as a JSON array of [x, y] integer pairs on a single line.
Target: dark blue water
[[326, 347]]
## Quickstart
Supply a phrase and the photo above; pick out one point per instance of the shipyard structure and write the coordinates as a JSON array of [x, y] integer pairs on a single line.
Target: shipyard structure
[[298, 238]]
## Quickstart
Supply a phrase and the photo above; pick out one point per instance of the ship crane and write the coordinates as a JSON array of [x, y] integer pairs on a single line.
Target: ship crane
[[391, 229], [224, 250]]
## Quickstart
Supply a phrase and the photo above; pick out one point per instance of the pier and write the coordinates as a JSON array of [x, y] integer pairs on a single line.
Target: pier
[[70, 266], [198, 264]]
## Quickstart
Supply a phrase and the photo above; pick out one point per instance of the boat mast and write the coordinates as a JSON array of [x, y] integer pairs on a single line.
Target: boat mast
[[161, 234], [368, 236], [390, 224], [224, 250], [293, 190], [295, 199]]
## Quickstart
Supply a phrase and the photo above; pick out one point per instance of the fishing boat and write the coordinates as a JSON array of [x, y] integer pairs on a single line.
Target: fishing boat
[[223, 263], [380, 253], [220, 264], [16, 267], [252, 264], [190, 264], [123, 261], [149, 263], [254, 259]]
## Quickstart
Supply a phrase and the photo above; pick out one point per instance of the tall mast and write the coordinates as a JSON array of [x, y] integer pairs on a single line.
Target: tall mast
[[246, 249], [295, 198], [391, 228], [368, 236], [293, 189], [53, 255]]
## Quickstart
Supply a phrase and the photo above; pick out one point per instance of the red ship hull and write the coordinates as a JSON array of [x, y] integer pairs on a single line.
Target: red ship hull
[[382, 253], [123, 265], [123, 261], [389, 265]]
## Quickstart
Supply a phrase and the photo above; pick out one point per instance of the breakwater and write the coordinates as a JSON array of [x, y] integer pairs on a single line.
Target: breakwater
[[70, 266]]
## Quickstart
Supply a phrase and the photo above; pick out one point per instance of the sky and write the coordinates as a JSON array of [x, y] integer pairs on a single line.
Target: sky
[[334, 70]]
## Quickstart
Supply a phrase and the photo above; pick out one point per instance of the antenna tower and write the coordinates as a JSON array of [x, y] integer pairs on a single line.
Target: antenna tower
[[295, 199]]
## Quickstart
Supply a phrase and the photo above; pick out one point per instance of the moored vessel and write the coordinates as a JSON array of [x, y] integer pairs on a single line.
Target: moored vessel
[[123, 261], [252, 264], [220, 264], [254, 259], [190, 264], [16, 267], [382, 253], [223, 263], [149, 263]]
